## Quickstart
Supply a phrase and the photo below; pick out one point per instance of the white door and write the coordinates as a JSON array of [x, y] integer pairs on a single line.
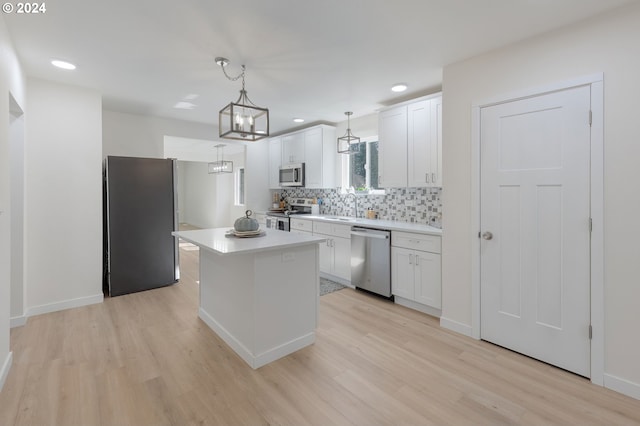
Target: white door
[[535, 225]]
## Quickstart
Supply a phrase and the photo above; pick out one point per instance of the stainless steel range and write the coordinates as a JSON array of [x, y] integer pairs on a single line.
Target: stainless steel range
[[277, 219]]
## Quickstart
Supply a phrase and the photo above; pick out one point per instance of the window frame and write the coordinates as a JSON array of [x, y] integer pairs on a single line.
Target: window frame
[[345, 167], [239, 187]]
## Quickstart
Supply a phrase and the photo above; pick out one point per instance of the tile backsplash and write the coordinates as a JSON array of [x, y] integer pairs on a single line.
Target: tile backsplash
[[418, 205]]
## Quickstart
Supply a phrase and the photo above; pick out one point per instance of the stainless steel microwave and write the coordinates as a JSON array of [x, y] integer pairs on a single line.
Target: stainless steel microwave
[[292, 174]]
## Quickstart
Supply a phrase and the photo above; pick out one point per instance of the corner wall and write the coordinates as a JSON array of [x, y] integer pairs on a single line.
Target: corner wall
[[603, 44], [12, 83], [63, 195]]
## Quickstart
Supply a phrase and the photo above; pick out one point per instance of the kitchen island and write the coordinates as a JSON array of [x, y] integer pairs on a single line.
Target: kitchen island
[[260, 294]]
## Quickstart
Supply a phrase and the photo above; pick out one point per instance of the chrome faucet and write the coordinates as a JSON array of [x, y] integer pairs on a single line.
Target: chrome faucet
[[355, 203]]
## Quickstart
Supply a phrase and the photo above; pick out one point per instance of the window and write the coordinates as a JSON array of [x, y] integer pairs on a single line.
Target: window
[[362, 168], [239, 187]]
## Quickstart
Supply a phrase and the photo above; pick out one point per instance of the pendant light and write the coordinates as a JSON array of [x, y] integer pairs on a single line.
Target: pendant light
[[242, 120], [220, 165], [349, 143]]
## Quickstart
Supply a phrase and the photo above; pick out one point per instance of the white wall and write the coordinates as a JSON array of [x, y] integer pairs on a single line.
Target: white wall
[[63, 185], [208, 198], [16, 155], [12, 82], [132, 135], [606, 44], [258, 197]]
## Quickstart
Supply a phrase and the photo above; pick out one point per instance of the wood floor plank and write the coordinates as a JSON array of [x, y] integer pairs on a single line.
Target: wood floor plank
[[147, 359]]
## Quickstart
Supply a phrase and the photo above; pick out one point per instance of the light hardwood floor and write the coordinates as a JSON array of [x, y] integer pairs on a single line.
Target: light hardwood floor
[[146, 359]]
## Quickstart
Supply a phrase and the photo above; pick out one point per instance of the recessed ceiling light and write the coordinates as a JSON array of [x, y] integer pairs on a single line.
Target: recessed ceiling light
[[400, 87], [298, 120], [63, 64]]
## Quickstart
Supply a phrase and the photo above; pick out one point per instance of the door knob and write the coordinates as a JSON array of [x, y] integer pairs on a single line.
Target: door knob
[[487, 235]]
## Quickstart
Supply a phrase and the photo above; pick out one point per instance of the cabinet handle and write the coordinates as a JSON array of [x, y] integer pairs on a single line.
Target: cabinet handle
[[333, 243], [417, 258], [426, 177], [410, 259], [433, 178]]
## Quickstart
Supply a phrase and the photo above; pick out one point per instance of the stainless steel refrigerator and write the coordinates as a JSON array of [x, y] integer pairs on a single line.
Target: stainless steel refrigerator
[[140, 212]]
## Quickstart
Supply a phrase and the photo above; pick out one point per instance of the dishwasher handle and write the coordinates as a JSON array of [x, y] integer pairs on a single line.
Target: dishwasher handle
[[370, 235]]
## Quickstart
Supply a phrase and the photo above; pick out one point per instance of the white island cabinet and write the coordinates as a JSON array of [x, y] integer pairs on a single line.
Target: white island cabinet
[[260, 295]]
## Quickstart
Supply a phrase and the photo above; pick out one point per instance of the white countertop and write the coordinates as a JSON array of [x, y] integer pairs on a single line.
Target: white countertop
[[215, 240], [391, 225]]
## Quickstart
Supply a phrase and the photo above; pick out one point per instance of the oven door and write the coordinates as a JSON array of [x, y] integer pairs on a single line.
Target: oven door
[[271, 222], [283, 224]]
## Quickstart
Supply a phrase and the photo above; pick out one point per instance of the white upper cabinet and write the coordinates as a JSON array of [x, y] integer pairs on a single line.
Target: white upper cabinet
[[392, 145], [315, 147], [411, 144], [293, 148], [436, 142], [419, 144], [320, 153]]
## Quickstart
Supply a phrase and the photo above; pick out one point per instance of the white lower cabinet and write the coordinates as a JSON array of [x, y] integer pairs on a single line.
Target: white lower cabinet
[[416, 274], [301, 226], [335, 253]]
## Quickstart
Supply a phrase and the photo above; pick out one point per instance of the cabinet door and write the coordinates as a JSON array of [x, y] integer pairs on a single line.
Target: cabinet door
[[326, 256], [427, 278], [275, 159], [419, 144], [392, 145], [436, 142], [342, 258], [402, 272], [313, 158], [293, 148]]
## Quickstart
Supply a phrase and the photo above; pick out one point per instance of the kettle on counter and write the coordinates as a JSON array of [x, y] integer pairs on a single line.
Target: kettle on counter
[[244, 224]]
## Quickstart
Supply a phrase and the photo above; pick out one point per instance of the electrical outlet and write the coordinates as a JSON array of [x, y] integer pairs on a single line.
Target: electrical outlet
[[289, 256]]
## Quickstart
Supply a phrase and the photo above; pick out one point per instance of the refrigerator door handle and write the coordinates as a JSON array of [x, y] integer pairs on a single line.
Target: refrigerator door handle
[[176, 220]]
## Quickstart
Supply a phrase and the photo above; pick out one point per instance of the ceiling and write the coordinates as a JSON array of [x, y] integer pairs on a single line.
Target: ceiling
[[313, 60]]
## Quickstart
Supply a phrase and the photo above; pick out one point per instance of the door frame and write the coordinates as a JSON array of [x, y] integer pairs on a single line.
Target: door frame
[[596, 81]]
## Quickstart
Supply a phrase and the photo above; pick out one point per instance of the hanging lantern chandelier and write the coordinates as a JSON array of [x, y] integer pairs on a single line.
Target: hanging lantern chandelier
[[242, 120], [349, 143], [220, 165]]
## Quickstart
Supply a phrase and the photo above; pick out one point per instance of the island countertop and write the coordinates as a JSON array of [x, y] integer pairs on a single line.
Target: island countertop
[[217, 241]]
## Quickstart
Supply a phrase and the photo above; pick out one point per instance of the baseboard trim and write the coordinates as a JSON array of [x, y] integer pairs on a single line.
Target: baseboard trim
[[622, 386], [4, 373], [17, 321], [456, 326], [434, 312], [256, 361], [336, 279], [65, 304]]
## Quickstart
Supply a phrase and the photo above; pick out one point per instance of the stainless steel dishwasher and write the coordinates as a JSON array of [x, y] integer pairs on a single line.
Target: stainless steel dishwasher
[[371, 260]]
